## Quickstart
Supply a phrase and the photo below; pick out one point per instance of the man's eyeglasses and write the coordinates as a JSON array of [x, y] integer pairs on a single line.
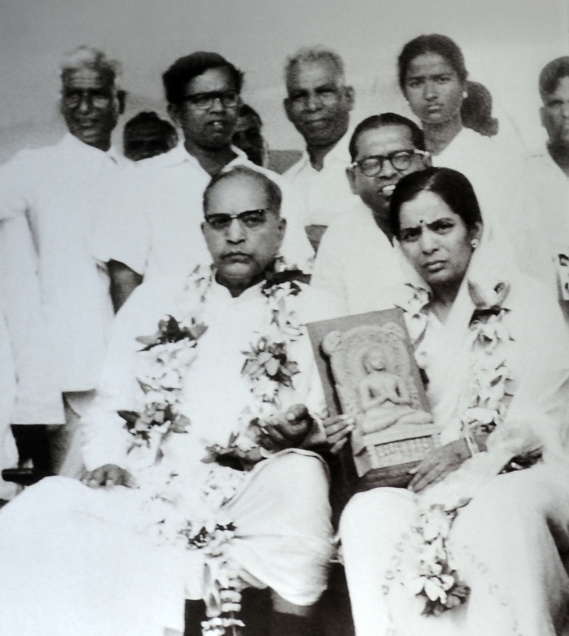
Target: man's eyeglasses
[[250, 219], [400, 160], [204, 101]]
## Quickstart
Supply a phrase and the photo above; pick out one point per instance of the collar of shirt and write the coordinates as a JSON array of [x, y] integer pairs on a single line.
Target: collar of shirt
[[340, 153], [75, 145]]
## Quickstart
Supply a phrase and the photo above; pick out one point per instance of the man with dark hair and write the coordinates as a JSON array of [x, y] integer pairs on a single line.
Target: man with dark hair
[[356, 253], [213, 418], [60, 189], [318, 104], [549, 172], [146, 135], [152, 228]]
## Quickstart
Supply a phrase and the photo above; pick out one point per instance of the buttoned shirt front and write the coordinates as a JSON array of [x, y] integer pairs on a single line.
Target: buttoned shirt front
[[326, 193], [152, 222], [60, 188]]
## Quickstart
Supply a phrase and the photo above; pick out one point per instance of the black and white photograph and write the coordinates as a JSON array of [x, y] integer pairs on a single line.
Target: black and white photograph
[[284, 330]]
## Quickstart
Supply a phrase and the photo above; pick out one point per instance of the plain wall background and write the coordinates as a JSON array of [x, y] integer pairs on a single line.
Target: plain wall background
[[505, 42]]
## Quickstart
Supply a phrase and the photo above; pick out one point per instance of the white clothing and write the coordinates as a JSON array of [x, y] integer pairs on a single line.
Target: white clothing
[[355, 257], [326, 193], [152, 222], [509, 542], [282, 540], [29, 392], [499, 181], [551, 192], [60, 188]]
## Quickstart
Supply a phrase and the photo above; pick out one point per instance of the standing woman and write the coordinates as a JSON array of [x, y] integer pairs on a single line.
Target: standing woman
[[433, 78]]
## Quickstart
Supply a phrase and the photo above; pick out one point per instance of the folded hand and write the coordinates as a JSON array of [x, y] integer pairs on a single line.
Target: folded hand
[[287, 429], [108, 475]]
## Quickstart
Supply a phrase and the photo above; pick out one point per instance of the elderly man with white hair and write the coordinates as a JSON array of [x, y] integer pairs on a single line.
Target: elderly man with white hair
[[318, 104], [59, 189]]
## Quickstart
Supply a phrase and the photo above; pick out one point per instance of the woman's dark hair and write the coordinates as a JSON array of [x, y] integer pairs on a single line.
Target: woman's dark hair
[[434, 43], [451, 186], [476, 110]]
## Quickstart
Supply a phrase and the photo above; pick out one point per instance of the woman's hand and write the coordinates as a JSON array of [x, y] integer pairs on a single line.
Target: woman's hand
[[338, 429], [108, 475], [439, 464], [286, 430]]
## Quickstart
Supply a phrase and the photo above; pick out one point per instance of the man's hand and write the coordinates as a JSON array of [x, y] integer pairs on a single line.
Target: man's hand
[[338, 429], [286, 430], [108, 475], [439, 464]]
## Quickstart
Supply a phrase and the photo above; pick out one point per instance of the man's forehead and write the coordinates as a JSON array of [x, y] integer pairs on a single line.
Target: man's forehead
[[385, 139], [313, 72], [237, 194], [86, 77], [561, 90], [214, 79]]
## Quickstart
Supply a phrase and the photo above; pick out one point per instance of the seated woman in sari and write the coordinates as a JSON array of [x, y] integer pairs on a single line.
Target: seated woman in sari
[[476, 543]]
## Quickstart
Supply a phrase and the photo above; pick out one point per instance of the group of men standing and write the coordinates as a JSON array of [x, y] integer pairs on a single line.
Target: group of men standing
[[90, 227]]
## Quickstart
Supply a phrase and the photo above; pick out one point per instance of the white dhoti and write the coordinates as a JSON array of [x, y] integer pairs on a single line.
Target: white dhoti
[[72, 562], [510, 545]]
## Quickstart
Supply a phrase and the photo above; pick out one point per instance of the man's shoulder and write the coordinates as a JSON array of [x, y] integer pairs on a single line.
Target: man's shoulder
[[290, 173]]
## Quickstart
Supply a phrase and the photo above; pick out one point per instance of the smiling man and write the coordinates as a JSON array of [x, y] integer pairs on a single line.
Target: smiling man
[[238, 454], [356, 254], [151, 229], [60, 189], [318, 104]]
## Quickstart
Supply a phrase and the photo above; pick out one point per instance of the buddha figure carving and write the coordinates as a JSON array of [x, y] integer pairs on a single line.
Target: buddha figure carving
[[384, 397]]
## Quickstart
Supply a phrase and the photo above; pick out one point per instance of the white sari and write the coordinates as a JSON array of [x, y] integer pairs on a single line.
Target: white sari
[[507, 543]]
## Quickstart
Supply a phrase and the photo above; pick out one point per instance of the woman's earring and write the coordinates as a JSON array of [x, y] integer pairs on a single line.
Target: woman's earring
[[464, 94], [474, 243]]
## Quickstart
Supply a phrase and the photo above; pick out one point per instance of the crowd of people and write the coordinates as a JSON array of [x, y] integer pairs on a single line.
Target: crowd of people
[[164, 436]]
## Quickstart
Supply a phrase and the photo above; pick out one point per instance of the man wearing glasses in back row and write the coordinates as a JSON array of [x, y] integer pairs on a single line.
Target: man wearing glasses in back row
[[356, 254], [151, 230]]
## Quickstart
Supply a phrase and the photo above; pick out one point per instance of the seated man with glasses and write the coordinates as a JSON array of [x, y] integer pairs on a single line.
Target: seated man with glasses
[[200, 480], [150, 229], [356, 253]]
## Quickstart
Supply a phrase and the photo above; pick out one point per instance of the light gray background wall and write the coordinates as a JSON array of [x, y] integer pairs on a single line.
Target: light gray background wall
[[505, 43]]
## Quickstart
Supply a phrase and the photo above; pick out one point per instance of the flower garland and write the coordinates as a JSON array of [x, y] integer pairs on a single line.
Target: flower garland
[[483, 409], [175, 512]]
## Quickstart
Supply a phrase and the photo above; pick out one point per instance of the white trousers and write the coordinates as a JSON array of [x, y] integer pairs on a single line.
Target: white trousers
[[510, 545]]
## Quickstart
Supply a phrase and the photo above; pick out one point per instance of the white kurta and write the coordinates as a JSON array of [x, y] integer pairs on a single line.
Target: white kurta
[[354, 258], [152, 222], [59, 189], [551, 192], [29, 391], [326, 193], [497, 174], [127, 586], [509, 542]]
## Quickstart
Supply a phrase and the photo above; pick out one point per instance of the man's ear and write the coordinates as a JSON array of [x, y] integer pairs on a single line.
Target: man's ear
[[282, 227], [427, 161], [350, 96], [174, 112], [121, 98], [203, 226], [288, 108], [542, 116], [351, 175]]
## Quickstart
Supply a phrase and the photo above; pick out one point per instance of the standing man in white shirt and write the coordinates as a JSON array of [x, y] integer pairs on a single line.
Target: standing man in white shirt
[[549, 169], [151, 229], [59, 189], [318, 103], [356, 254]]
